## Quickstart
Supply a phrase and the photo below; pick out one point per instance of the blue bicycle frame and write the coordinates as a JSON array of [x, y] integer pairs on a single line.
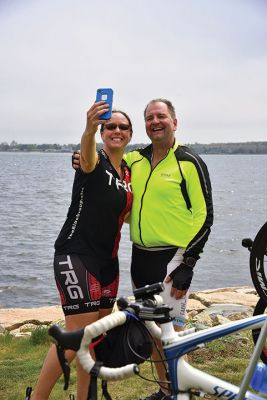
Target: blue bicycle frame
[[184, 377]]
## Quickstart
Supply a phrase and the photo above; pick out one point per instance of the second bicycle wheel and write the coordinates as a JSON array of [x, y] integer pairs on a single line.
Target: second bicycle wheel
[[258, 258], [260, 308]]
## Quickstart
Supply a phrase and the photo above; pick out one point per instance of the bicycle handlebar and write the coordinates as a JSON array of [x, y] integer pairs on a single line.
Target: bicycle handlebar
[[80, 340], [150, 308], [96, 329]]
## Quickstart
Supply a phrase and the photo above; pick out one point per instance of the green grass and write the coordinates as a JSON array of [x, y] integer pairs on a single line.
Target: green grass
[[21, 360], [225, 358], [40, 336]]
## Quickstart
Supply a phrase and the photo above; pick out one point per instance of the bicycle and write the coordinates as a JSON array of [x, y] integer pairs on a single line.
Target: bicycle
[[185, 380], [258, 258]]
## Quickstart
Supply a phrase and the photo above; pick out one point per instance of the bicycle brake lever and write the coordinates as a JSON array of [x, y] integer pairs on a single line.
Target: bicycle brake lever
[[64, 365], [28, 393]]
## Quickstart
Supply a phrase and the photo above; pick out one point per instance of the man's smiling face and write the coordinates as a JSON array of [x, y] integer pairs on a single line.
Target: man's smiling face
[[160, 125]]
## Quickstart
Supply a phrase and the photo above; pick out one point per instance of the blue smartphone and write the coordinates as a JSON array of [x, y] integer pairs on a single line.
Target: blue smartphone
[[107, 96]]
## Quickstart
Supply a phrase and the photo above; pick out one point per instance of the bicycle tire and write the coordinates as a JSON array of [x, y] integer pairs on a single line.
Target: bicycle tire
[[260, 308], [257, 260]]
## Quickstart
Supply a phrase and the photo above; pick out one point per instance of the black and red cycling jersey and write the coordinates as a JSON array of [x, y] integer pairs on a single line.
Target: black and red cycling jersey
[[100, 200]]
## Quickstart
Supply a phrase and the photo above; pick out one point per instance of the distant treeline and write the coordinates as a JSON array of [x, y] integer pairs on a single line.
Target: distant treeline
[[230, 148], [211, 148]]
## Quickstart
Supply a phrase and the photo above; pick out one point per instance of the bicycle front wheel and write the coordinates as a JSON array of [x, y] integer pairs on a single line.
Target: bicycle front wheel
[[258, 258], [260, 308]]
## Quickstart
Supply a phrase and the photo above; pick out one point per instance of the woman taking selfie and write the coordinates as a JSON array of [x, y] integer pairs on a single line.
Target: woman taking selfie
[[86, 251]]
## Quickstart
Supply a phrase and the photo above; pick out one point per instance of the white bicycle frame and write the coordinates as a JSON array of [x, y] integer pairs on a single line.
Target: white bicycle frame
[[184, 378]]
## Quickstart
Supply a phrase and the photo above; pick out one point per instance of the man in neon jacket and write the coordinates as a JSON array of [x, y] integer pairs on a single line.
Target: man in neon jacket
[[171, 215]]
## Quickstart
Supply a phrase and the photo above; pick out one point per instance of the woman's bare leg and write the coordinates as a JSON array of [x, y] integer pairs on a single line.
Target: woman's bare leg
[[74, 322], [51, 369], [49, 374], [83, 379]]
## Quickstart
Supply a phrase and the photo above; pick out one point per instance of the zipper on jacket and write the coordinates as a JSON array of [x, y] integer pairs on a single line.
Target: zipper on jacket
[[142, 198]]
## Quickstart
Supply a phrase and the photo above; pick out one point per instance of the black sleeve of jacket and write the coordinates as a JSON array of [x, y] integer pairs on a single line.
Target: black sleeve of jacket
[[195, 247]]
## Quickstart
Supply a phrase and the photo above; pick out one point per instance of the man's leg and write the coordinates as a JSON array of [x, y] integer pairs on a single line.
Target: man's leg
[[151, 266], [158, 356]]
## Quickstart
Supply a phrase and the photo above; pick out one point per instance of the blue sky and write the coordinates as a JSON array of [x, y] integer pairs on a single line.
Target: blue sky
[[209, 57]]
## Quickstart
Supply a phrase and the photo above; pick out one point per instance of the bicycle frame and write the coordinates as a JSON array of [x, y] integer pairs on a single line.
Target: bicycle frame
[[184, 377]]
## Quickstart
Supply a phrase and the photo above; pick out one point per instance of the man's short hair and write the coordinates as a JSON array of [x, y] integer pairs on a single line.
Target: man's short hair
[[165, 101]]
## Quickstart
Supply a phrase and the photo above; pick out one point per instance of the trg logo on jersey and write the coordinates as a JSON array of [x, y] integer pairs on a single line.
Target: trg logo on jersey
[[71, 280], [118, 183]]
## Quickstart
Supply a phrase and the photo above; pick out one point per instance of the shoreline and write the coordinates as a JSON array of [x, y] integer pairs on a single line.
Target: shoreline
[[205, 308]]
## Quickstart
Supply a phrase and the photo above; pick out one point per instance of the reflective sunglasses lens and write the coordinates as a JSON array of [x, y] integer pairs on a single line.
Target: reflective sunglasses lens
[[110, 127], [124, 127]]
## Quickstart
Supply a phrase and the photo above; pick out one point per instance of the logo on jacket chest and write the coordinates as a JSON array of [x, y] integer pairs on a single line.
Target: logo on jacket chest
[[112, 180]]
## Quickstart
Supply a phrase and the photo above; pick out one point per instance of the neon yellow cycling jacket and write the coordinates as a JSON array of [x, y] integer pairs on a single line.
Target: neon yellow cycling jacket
[[172, 204]]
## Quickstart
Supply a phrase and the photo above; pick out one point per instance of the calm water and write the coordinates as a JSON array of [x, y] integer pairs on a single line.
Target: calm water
[[35, 190]]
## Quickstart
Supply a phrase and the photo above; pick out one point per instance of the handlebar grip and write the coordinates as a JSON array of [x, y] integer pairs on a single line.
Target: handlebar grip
[[116, 374], [98, 328]]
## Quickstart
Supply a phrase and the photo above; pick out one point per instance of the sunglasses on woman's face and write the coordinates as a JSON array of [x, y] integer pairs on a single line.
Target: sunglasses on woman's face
[[122, 127]]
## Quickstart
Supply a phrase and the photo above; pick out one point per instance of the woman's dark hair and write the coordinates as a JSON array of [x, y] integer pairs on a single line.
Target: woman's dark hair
[[124, 114]]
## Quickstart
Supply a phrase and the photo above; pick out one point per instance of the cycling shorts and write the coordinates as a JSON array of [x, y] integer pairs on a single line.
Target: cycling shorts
[[153, 265], [84, 284]]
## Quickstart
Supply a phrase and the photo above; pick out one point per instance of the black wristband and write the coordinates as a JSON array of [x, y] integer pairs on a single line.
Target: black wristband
[[190, 261]]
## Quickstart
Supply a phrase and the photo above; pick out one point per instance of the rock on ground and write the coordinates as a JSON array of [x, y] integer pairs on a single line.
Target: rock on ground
[[208, 308]]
